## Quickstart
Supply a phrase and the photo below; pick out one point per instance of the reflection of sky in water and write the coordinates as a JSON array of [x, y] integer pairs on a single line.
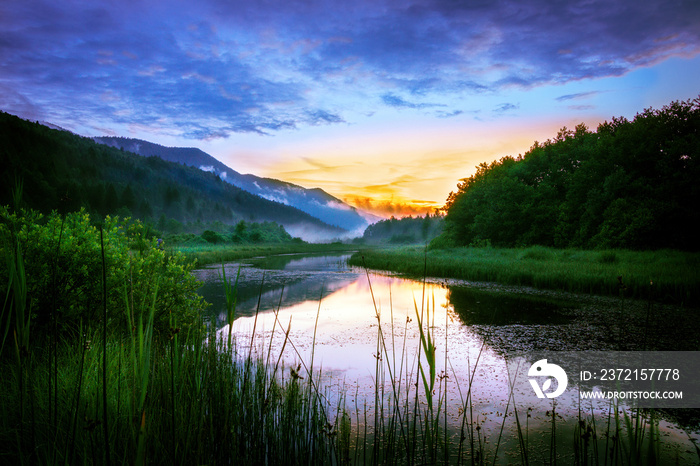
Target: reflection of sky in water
[[347, 335], [293, 278]]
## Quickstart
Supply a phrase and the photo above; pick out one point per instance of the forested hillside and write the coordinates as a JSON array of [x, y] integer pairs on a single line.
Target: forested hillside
[[629, 184], [314, 202], [407, 230], [64, 172]]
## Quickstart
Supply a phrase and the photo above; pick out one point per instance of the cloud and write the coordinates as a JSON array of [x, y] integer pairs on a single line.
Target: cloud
[[443, 114], [396, 101], [388, 208], [338, 205], [214, 68], [579, 95], [506, 107], [321, 117]]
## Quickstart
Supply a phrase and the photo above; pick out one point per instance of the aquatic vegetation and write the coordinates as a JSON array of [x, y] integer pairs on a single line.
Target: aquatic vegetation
[[675, 274], [218, 253], [192, 395]]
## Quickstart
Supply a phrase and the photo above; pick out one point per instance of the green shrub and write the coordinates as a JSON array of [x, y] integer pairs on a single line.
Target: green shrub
[[212, 237], [444, 241], [481, 243], [63, 265], [256, 237]]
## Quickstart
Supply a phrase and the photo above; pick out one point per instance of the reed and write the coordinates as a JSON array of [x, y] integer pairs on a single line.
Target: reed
[[217, 253], [186, 397], [231, 293], [195, 412], [675, 274]]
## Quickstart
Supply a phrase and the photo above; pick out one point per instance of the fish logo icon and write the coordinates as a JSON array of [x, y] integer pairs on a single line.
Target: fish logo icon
[[544, 369]]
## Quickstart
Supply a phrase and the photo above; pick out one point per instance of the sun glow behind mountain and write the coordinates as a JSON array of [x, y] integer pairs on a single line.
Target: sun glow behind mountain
[[384, 104], [409, 171]]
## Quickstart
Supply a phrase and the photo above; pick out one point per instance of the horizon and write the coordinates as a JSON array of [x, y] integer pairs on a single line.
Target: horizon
[[385, 106]]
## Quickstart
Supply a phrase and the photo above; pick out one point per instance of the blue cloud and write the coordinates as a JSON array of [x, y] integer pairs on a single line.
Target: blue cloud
[[442, 114], [216, 67], [393, 100], [322, 117], [506, 107], [579, 95]]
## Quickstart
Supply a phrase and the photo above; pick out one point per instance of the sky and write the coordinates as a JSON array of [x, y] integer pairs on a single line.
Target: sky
[[385, 104]]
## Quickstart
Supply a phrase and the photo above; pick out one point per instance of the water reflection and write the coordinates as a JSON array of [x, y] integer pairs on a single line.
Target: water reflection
[[362, 333], [348, 314], [477, 307], [263, 282]]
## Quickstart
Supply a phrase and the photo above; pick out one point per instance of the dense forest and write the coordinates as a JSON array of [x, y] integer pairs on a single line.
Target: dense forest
[[407, 230], [629, 184], [63, 172]]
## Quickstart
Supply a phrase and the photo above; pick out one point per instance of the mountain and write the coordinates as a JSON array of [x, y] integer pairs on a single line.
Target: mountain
[[59, 170], [315, 202]]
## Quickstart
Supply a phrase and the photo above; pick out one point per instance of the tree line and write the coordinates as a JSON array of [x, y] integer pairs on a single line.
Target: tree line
[[63, 172], [629, 184], [406, 230]]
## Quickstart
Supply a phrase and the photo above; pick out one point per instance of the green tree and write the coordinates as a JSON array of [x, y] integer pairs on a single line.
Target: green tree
[[630, 184], [111, 201], [128, 198]]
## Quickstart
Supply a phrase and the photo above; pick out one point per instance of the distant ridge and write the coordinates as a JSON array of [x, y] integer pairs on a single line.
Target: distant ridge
[[314, 202], [59, 170]]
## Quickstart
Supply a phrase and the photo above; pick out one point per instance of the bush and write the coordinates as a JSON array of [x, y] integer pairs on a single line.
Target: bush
[[63, 267], [213, 237], [444, 241]]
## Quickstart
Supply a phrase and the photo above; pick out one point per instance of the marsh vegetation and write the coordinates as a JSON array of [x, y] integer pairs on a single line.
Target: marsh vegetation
[[109, 356], [662, 275]]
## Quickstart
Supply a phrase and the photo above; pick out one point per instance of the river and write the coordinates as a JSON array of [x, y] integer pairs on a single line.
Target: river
[[361, 331]]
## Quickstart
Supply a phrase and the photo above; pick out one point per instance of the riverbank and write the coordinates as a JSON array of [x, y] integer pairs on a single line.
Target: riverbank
[[666, 276], [218, 253], [180, 396]]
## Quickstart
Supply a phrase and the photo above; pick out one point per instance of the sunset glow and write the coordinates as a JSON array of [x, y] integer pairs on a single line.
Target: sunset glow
[[385, 105]]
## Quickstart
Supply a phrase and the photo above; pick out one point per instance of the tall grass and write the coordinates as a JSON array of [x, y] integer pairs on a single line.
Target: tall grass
[[675, 275], [181, 401], [146, 397], [217, 253], [187, 398]]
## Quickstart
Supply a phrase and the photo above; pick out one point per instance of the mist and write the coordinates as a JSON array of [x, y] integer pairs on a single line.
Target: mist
[[313, 234]]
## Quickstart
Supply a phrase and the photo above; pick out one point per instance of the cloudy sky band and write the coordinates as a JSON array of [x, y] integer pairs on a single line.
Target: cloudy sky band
[[230, 76]]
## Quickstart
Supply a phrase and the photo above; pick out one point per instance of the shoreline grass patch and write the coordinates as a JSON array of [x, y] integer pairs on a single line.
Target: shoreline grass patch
[[664, 275], [207, 254]]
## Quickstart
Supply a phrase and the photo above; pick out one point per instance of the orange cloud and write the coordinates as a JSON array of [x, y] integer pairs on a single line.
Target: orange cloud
[[407, 170], [392, 208]]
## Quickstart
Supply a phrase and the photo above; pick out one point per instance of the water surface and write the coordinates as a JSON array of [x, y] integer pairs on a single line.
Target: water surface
[[361, 331]]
